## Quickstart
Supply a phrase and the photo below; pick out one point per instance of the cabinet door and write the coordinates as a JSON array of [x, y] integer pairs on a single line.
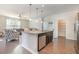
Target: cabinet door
[[78, 40], [42, 42], [49, 37]]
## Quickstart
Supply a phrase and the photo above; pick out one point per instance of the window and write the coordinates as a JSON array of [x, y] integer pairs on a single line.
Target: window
[[12, 23]]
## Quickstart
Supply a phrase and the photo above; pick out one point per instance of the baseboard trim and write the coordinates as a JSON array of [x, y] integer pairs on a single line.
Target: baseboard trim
[[64, 37]]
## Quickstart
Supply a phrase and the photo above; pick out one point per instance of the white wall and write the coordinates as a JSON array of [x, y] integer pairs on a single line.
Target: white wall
[[69, 18], [2, 22]]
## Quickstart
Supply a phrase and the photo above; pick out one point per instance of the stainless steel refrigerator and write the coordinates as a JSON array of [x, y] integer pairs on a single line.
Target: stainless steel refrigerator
[[76, 34]]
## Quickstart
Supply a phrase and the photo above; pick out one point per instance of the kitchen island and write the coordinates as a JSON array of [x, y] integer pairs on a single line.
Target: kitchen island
[[35, 41]]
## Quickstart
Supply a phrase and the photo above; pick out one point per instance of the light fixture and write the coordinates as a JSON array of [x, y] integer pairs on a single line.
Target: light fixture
[[37, 12], [42, 13], [42, 20], [20, 16], [42, 5], [30, 19], [21, 13], [30, 12], [36, 16]]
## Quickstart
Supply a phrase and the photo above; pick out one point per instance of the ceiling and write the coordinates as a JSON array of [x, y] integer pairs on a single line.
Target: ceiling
[[13, 10]]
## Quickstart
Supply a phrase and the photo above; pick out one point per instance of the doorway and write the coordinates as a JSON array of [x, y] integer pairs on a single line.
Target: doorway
[[61, 28]]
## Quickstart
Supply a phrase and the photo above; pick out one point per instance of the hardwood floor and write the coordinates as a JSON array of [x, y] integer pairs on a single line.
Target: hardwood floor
[[60, 46], [13, 48]]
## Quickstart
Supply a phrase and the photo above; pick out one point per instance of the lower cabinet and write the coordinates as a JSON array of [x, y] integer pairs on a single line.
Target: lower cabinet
[[77, 46], [42, 42], [44, 39], [49, 38]]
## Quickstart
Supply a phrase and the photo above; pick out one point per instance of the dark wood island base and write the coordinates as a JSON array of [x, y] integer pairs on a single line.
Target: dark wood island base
[[44, 39]]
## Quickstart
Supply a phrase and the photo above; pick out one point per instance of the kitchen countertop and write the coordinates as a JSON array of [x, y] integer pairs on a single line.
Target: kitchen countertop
[[34, 31]]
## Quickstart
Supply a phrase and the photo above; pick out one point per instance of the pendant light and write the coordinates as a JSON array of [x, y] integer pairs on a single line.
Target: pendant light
[[36, 16], [30, 12], [42, 16], [42, 19], [42, 5], [21, 13], [37, 12], [20, 16]]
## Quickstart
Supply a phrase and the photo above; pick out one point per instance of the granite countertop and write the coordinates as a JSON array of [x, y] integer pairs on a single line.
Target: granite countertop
[[34, 31]]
